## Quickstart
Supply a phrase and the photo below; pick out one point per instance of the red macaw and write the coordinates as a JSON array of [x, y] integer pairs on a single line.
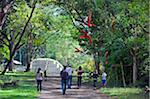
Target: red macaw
[[86, 36], [89, 22]]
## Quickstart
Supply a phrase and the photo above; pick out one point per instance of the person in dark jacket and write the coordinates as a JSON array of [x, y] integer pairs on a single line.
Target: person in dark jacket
[[94, 76], [64, 78]]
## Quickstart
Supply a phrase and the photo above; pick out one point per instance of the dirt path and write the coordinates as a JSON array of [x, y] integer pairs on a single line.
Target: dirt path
[[51, 90]]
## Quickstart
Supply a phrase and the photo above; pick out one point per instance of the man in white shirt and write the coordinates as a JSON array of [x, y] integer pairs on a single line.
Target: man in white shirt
[[104, 79], [70, 71]]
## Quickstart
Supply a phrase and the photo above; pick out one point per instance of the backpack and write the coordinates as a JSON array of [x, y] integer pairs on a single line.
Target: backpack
[[64, 75]]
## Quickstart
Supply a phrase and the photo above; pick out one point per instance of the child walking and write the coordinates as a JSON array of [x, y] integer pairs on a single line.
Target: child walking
[[104, 79]]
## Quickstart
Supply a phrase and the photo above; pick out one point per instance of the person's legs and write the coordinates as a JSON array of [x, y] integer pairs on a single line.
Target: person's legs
[[103, 83], [63, 86], [69, 81], [40, 84], [80, 80], [65, 83], [94, 83]]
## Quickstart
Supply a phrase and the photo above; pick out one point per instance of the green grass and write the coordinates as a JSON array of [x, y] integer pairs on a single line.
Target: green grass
[[125, 93], [26, 88]]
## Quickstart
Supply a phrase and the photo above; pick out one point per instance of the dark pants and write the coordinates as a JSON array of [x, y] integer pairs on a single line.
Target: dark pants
[[94, 83], [63, 86], [69, 81], [39, 85], [79, 81]]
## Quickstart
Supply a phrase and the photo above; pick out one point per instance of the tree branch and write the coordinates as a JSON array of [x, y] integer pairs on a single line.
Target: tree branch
[[23, 31], [5, 36], [144, 29], [3, 42], [19, 46]]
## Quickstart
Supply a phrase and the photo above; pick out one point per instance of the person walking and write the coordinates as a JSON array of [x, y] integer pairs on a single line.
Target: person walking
[[70, 71], [104, 79], [39, 79], [94, 76], [64, 78], [79, 76]]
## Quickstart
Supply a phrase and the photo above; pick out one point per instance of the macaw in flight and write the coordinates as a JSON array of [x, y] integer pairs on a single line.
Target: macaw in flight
[[81, 51], [86, 36], [78, 50]]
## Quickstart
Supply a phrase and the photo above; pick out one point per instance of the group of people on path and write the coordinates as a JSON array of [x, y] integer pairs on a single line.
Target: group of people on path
[[66, 78]]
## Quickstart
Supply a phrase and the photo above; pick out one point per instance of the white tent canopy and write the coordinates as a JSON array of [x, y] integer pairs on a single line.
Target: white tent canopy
[[17, 62], [52, 67]]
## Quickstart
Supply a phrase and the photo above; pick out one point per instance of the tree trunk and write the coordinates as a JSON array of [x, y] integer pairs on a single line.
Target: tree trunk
[[134, 70], [96, 62], [122, 72], [11, 66], [11, 48], [28, 67], [116, 75], [5, 69], [28, 60], [29, 52], [7, 66]]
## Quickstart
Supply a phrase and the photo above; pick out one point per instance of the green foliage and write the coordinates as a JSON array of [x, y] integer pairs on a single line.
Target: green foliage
[[130, 31], [124, 93], [25, 88], [5, 52]]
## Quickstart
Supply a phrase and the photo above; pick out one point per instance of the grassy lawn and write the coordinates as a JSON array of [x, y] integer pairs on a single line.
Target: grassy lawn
[[25, 89], [125, 93]]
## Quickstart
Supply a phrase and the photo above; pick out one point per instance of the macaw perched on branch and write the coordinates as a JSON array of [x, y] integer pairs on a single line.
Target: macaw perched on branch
[[86, 36]]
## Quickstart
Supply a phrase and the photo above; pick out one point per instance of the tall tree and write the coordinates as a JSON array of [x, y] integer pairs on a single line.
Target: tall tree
[[14, 41]]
